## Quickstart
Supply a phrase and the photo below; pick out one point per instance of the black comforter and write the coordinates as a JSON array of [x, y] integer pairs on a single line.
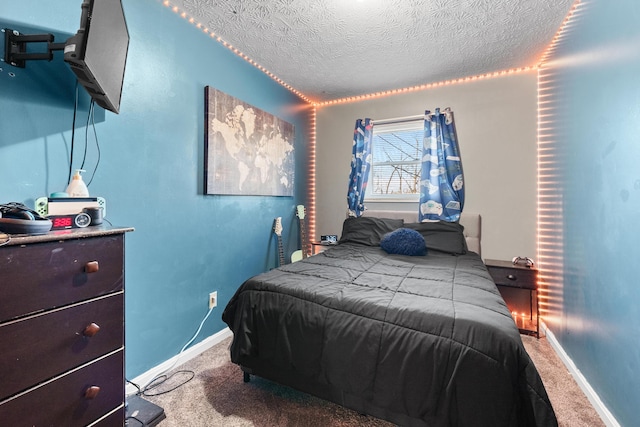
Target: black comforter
[[414, 340]]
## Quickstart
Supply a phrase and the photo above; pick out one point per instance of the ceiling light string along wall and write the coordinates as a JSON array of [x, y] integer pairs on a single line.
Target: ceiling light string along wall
[[559, 34], [549, 225], [427, 86], [358, 98], [311, 176], [233, 49]]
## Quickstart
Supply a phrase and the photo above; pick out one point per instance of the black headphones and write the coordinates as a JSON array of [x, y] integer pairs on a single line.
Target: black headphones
[[16, 213], [16, 218]]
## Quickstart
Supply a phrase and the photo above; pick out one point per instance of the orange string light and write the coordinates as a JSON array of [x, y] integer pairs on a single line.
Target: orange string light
[[549, 195], [311, 185], [349, 99], [192, 20]]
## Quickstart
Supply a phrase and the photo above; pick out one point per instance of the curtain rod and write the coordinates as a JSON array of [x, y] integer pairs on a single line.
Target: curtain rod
[[405, 119], [398, 120]]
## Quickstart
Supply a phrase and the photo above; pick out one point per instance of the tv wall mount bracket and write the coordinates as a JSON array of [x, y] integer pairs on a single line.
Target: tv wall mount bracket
[[15, 47]]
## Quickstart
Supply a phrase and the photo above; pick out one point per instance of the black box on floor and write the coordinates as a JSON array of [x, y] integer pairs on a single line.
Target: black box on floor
[[140, 412]]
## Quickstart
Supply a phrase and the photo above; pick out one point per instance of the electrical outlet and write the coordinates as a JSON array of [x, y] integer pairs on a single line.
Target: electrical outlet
[[213, 299]]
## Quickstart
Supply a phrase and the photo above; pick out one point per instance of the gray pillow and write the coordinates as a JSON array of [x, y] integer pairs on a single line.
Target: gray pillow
[[442, 236], [368, 230]]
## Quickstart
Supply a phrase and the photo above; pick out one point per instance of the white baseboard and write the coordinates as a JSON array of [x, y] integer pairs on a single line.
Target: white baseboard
[[601, 409], [178, 359]]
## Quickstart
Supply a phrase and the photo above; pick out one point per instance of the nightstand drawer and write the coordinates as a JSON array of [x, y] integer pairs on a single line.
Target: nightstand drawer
[[513, 277], [505, 273], [40, 347], [59, 273], [63, 402]]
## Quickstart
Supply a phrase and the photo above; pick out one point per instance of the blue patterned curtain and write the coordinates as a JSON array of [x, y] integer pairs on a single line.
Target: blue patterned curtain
[[360, 165], [442, 181]]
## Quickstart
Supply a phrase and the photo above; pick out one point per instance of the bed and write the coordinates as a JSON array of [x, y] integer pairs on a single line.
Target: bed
[[422, 340]]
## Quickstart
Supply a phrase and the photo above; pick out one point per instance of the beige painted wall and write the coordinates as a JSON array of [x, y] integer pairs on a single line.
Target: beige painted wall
[[496, 124]]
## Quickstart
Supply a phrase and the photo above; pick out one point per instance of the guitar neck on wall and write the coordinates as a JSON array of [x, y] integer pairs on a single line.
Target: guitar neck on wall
[[302, 253], [277, 229]]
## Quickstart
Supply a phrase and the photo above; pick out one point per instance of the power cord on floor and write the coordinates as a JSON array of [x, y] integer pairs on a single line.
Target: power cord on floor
[[136, 386], [159, 380], [5, 239], [162, 378]]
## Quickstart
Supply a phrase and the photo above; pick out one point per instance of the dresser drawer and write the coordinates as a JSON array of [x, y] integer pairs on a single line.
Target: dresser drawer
[[513, 277], [42, 346], [63, 403], [115, 419], [46, 275]]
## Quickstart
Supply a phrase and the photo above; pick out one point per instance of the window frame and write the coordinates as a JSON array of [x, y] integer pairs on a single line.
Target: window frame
[[412, 124]]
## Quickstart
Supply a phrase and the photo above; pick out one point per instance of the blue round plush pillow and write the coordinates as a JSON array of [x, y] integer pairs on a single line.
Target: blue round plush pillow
[[404, 241]]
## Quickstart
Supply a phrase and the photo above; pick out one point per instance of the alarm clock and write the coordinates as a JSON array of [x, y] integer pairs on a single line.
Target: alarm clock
[[329, 239], [79, 220]]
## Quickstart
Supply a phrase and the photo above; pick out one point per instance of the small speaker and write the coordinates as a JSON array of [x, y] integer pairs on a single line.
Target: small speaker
[[95, 213]]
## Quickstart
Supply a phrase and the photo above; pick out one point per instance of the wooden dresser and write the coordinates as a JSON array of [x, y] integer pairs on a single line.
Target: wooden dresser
[[62, 328]]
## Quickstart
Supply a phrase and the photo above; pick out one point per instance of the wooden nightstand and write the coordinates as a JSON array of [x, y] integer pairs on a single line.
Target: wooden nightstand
[[508, 276]]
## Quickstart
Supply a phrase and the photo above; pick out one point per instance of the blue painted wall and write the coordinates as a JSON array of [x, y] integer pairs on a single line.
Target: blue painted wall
[[151, 166], [596, 76]]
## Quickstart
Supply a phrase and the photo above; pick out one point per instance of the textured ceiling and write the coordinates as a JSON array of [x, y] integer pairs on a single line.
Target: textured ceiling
[[330, 49]]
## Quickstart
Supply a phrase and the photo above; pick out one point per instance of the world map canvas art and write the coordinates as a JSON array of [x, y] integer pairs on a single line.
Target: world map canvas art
[[247, 151]]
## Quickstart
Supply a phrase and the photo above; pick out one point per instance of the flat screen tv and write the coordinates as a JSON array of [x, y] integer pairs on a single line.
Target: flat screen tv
[[97, 53]]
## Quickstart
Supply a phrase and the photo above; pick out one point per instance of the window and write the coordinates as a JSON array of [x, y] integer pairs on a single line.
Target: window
[[397, 161]]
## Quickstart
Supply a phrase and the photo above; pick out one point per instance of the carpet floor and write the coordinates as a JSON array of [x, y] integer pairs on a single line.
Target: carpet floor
[[217, 396]]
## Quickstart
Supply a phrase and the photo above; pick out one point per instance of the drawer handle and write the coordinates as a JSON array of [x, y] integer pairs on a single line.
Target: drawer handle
[[92, 392], [91, 267], [512, 277], [91, 330]]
